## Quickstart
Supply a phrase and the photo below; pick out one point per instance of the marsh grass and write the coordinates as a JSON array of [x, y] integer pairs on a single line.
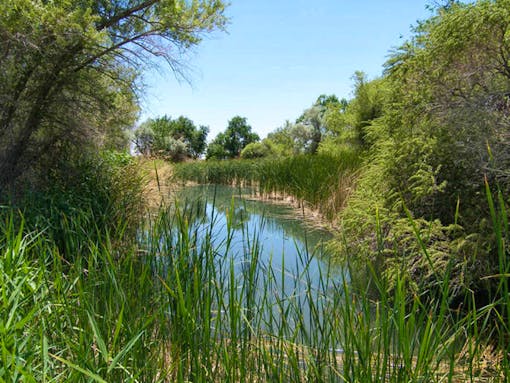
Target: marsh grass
[[76, 321], [322, 182], [181, 306]]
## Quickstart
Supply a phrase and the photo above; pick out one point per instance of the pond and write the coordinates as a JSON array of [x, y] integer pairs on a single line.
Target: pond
[[265, 257], [283, 238], [233, 267]]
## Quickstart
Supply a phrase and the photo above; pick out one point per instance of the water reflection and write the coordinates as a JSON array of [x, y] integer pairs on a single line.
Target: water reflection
[[276, 226], [258, 255]]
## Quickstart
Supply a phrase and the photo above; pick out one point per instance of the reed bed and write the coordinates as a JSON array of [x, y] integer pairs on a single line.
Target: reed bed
[[322, 182], [181, 307]]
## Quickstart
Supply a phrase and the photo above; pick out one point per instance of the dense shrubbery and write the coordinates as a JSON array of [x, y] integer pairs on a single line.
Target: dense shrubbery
[[102, 193], [440, 137]]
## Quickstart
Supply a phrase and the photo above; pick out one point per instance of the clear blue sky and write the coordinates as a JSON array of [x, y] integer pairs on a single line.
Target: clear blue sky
[[278, 56]]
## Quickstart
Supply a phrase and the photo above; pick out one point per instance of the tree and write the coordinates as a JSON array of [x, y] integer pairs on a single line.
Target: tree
[[338, 129], [69, 69], [195, 138], [144, 139], [237, 135], [257, 150], [367, 106], [216, 149], [312, 120], [173, 139], [282, 140]]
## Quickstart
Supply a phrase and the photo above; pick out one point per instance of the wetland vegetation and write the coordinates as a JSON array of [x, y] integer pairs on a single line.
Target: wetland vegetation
[[411, 174]]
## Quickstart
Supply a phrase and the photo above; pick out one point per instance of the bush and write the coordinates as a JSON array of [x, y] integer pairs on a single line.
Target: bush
[[256, 150], [438, 141], [173, 150], [100, 192]]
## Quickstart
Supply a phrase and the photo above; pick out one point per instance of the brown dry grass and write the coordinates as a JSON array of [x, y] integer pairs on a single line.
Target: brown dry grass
[[484, 368], [159, 188]]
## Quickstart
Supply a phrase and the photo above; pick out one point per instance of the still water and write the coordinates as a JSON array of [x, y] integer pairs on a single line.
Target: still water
[[242, 228], [259, 258]]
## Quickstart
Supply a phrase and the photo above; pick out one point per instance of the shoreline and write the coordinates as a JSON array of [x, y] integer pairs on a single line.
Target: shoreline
[[312, 217]]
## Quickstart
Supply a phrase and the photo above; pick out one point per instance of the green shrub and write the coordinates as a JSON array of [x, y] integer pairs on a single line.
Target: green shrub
[[102, 193], [256, 150]]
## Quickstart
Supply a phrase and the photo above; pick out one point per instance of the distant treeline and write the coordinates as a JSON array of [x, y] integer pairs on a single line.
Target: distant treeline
[[433, 135]]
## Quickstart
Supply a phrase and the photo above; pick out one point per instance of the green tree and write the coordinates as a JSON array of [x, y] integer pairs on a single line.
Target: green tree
[[257, 150], [237, 135], [216, 149], [312, 124], [282, 140], [367, 106], [144, 138], [340, 133], [195, 138], [69, 69], [173, 139]]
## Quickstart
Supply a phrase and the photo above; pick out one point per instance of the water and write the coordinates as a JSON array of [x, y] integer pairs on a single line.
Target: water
[[282, 236], [256, 257], [286, 246]]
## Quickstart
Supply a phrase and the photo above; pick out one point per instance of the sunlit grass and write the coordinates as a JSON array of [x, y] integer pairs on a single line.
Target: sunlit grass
[[175, 307], [322, 182]]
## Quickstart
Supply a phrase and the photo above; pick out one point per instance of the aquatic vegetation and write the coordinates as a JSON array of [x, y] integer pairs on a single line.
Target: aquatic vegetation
[[323, 182], [175, 308]]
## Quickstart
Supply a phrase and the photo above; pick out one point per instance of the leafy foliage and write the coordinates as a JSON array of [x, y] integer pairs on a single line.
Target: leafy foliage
[[101, 192], [257, 150], [69, 69], [435, 127], [172, 139], [230, 143], [369, 103]]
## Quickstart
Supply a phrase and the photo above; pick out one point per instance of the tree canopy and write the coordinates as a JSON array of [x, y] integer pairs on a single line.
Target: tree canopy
[[69, 69], [309, 130], [173, 139], [233, 140]]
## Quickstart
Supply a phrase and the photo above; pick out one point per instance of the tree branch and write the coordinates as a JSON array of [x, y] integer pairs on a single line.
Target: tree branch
[[124, 14]]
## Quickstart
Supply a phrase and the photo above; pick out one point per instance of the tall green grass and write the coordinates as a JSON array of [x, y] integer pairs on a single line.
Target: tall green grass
[[175, 307], [88, 196], [323, 182], [89, 320]]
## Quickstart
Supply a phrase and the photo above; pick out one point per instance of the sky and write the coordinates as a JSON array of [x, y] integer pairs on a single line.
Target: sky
[[277, 57]]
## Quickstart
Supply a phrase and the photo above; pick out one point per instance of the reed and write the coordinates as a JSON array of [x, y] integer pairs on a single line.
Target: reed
[[322, 182], [180, 305]]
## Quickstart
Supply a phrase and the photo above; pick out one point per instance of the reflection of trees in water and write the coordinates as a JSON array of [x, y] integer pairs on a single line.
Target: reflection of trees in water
[[240, 217], [197, 204], [195, 211]]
